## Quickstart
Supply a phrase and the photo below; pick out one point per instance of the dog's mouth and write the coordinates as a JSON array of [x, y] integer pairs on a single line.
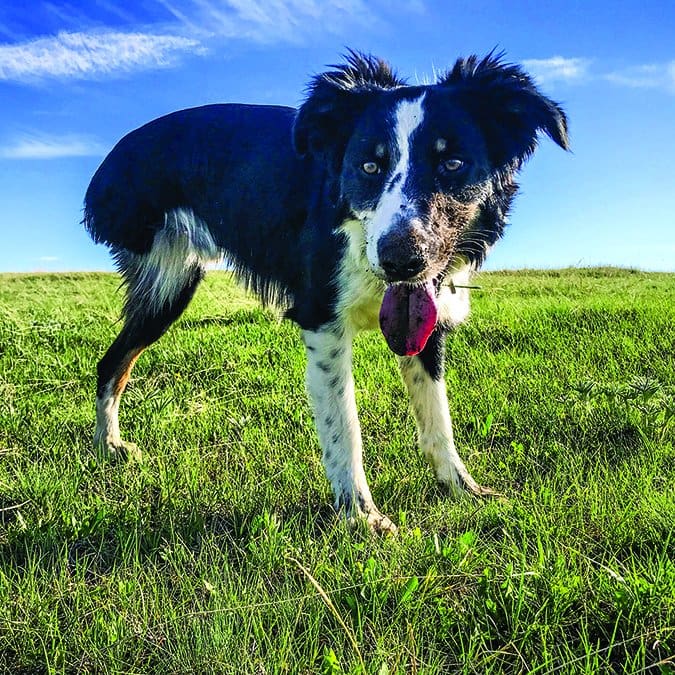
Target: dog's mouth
[[408, 316]]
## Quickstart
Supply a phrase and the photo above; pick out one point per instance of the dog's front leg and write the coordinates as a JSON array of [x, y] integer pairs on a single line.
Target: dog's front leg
[[424, 378], [331, 390]]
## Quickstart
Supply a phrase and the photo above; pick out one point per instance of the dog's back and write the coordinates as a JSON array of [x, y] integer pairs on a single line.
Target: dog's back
[[231, 168]]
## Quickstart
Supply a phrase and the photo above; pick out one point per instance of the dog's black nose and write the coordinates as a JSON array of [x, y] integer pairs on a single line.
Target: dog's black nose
[[399, 257]]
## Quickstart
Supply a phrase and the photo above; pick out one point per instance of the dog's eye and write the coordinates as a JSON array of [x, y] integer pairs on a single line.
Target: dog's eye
[[371, 168], [452, 165]]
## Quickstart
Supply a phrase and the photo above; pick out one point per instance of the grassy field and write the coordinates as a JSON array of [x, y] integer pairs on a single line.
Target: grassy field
[[220, 552]]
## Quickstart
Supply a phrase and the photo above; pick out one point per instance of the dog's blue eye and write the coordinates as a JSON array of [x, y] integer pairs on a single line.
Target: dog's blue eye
[[370, 168], [453, 164]]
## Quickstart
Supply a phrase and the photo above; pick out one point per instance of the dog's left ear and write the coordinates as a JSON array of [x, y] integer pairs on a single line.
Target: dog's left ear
[[509, 108]]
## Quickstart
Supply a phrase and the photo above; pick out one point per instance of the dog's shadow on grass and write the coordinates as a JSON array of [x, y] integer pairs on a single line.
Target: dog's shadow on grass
[[238, 317], [98, 545]]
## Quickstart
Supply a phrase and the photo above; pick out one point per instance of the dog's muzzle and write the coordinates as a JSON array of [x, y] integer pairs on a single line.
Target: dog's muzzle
[[402, 251], [400, 258]]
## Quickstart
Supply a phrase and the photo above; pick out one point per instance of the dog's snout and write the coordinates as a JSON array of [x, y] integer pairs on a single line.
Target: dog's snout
[[400, 257]]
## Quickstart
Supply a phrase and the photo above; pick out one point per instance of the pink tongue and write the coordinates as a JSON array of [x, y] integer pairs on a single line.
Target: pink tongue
[[408, 317]]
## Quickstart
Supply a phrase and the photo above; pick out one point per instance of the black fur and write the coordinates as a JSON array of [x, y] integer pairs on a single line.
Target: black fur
[[433, 354], [193, 159]]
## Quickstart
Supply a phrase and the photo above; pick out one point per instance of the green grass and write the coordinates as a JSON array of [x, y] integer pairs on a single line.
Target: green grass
[[220, 553]]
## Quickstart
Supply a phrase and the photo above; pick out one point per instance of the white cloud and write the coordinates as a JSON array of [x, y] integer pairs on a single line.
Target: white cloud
[[87, 55], [647, 76], [557, 69], [576, 69], [269, 21], [185, 27], [40, 146]]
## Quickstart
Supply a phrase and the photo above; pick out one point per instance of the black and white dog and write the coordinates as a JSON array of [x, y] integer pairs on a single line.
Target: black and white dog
[[374, 201]]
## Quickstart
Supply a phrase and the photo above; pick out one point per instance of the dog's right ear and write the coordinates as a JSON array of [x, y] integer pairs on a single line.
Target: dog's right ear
[[326, 120]]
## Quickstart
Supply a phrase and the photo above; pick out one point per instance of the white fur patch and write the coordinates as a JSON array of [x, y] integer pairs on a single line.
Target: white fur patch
[[361, 292], [107, 433], [434, 427], [184, 243], [409, 117], [331, 391], [453, 308]]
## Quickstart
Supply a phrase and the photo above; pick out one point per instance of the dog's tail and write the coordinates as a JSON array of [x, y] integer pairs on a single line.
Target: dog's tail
[[158, 257], [127, 199]]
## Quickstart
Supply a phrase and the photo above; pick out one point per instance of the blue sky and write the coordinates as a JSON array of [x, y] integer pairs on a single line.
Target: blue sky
[[76, 76]]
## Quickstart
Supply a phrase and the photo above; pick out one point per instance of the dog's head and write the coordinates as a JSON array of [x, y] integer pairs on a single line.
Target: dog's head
[[427, 169]]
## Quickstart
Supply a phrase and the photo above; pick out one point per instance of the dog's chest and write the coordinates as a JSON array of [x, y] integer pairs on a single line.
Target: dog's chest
[[362, 299], [360, 291]]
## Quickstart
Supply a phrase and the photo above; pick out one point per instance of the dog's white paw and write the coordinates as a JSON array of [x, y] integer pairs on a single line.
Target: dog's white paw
[[359, 511], [376, 522], [115, 451], [461, 485]]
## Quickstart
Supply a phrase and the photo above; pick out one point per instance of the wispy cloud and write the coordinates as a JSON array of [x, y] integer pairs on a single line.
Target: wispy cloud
[[40, 146], [647, 76], [558, 69], [178, 27], [268, 21], [577, 70], [87, 55]]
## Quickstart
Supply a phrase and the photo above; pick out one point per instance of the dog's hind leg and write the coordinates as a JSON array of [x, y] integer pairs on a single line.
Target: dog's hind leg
[[331, 390], [144, 323], [424, 379], [160, 284]]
